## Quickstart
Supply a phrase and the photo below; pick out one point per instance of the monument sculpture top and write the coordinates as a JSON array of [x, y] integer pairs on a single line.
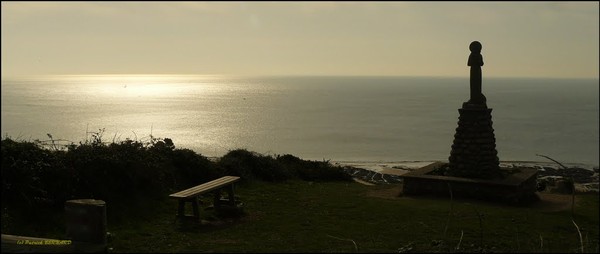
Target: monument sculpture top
[[477, 99], [474, 152]]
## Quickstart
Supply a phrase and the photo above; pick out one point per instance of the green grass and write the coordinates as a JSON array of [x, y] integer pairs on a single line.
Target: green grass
[[332, 214], [300, 216]]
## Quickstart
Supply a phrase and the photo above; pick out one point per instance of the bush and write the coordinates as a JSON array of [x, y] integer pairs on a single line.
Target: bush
[[123, 172], [30, 174], [313, 170], [193, 169], [116, 173], [250, 165]]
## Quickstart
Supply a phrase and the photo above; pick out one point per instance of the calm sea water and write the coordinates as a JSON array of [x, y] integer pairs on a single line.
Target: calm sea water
[[332, 118]]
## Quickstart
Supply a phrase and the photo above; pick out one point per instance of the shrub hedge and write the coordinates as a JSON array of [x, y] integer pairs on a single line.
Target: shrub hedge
[[34, 175]]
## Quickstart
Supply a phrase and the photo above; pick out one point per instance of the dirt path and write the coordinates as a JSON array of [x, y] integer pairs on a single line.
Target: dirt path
[[554, 202]]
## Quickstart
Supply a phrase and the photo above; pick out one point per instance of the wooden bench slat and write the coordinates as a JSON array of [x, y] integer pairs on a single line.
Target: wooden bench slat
[[205, 187]]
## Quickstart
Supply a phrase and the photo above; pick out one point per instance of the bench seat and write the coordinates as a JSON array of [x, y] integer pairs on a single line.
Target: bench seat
[[191, 195], [206, 187]]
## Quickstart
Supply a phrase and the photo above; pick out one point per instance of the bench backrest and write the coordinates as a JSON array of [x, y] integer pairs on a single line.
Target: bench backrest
[[206, 187]]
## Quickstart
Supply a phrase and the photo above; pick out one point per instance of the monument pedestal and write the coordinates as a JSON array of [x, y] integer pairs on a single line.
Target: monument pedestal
[[517, 188], [474, 169], [474, 152]]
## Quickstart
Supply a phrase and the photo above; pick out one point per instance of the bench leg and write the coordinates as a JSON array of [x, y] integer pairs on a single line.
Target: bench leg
[[195, 208], [181, 209], [231, 196], [217, 198]]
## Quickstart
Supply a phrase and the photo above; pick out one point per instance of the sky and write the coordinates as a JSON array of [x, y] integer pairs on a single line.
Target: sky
[[520, 39]]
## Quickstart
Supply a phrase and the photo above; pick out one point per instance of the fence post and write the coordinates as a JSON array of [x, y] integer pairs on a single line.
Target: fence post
[[86, 220]]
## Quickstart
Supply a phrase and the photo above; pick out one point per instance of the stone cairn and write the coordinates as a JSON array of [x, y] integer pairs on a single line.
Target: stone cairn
[[474, 152]]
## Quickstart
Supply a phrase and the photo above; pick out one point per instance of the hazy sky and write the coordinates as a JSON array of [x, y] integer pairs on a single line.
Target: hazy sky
[[520, 39]]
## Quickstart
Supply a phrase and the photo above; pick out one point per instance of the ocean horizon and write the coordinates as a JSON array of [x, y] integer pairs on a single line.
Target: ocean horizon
[[338, 118]]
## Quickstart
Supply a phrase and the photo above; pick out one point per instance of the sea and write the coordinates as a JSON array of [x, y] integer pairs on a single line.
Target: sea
[[351, 119]]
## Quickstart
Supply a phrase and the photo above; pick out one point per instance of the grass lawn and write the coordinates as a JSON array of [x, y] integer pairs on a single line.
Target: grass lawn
[[300, 216]]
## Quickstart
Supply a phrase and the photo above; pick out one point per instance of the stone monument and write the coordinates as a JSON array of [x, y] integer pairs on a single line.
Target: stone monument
[[474, 152], [473, 169]]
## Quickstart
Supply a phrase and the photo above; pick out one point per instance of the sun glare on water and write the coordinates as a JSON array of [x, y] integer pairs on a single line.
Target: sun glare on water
[[133, 86]]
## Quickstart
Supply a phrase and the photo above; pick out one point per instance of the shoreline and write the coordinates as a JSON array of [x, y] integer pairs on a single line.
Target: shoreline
[[405, 166], [585, 177]]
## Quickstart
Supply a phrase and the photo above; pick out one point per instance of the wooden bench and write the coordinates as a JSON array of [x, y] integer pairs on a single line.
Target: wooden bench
[[191, 195]]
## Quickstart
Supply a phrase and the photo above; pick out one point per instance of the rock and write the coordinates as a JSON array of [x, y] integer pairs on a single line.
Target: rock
[[550, 179], [587, 188], [579, 175], [371, 176]]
